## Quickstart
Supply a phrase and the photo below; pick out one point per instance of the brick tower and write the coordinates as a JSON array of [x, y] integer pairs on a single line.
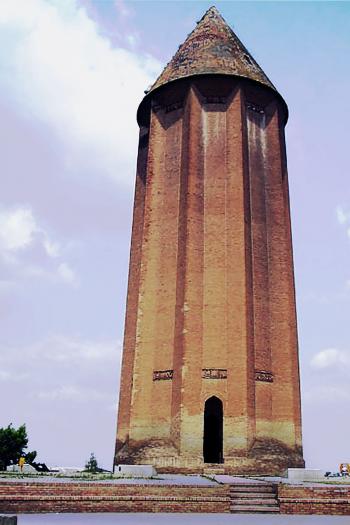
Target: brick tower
[[210, 365]]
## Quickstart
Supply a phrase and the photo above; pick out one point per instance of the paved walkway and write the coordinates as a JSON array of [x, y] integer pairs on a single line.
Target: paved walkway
[[233, 480], [161, 479], [173, 479], [178, 519], [337, 482]]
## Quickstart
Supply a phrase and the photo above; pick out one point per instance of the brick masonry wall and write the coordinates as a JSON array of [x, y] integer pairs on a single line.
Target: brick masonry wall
[[31, 497], [211, 284], [332, 499]]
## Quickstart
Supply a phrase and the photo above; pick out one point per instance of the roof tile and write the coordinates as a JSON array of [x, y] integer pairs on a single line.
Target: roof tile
[[212, 48]]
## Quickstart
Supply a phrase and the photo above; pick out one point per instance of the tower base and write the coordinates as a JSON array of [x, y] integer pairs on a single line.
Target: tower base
[[264, 458]]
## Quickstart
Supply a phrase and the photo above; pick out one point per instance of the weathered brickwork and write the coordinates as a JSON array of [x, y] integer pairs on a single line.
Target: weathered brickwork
[[107, 497], [331, 499], [217, 50], [211, 303], [104, 497]]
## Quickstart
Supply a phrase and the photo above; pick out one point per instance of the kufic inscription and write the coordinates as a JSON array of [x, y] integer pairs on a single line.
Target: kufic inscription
[[159, 375], [214, 373], [263, 375]]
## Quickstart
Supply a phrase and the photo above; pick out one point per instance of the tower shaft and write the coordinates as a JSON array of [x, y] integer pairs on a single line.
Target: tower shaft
[[211, 303]]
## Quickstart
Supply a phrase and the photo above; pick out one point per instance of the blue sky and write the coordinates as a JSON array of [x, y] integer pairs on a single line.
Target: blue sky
[[72, 75]]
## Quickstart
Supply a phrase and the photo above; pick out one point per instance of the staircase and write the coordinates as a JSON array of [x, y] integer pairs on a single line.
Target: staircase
[[254, 497]]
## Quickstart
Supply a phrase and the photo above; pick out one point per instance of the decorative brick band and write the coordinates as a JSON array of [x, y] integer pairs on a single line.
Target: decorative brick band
[[254, 107], [215, 100], [263, 375], [160, 375], [214, 373], [168, 108]]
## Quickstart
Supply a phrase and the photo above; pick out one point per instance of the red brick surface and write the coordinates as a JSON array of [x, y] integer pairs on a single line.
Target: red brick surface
[[211, 283], [314, 500], [102, 497]]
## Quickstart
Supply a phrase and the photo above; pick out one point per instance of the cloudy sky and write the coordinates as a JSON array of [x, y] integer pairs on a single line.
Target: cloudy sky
[[72, 73]]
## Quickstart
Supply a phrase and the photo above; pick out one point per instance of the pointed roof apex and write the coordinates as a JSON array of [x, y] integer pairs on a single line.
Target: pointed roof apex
[[212, 48], [212, 11]]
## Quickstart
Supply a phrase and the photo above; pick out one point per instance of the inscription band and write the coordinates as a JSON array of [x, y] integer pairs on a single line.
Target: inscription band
[[263, 375], [214, 373], [161, 375]]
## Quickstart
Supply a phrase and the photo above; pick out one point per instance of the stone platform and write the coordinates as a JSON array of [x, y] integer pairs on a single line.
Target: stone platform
[[222, 494]]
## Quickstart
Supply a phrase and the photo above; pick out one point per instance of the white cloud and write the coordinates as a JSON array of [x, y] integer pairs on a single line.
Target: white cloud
[[17, 228], [13, 376], [4, 375], [133, 39], [330, 357], [123, 9], [63, 72], [6, 286], [52, 248], [64, 349], [76, 349], [342, 216], [327, 393], [77, 376], [20, 231], [62, 366], [66, 273], [72, 393]]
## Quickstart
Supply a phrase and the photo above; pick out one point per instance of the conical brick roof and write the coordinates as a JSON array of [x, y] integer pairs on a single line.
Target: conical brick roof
[[212, 48]]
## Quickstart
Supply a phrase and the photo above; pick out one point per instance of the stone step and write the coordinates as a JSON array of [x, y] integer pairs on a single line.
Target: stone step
[[241, 509], [253, 498], [254, 494], [255, 501]]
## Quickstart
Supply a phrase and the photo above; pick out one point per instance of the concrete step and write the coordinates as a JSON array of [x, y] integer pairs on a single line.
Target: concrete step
[[253, 509]]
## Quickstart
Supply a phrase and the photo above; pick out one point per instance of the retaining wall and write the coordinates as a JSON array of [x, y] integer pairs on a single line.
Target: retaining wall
[[25, 497], [36, 497], [322, 499]]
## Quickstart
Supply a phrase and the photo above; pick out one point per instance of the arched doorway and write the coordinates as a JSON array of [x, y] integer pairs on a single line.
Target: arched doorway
[[213, 431]]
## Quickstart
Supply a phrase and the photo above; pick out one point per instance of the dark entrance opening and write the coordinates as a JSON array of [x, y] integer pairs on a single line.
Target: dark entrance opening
[[213, 431]]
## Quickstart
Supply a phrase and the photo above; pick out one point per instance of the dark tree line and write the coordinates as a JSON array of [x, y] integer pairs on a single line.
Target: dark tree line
[[13, 443]]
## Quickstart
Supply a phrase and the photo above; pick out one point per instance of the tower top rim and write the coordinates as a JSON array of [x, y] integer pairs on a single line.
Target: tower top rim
[[212, 48]]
